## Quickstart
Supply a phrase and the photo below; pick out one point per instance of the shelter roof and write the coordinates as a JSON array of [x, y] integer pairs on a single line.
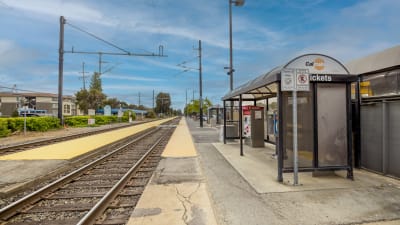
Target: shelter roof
[[266, 84]]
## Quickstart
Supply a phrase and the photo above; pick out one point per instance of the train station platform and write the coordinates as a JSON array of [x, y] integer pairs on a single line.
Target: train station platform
[[177, 193], [244, 189], [202, 181], [73, 148], [21, 168]]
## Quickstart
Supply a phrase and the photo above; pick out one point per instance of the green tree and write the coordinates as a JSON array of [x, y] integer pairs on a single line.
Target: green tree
[[82, 100], [92, 99], [113, 102], [96, 99], [95, 82], [163, 103], [123, 104], [96, 95], [193, 107]]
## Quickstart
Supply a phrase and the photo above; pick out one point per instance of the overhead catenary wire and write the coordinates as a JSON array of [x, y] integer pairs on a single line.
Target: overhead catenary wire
[[98, 38]]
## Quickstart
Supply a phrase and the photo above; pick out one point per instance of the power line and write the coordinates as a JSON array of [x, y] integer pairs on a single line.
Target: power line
[[17, 89], [98, 38]]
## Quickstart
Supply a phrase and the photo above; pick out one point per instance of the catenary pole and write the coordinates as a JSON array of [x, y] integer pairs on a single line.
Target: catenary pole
[[201, 87], [60, 70]]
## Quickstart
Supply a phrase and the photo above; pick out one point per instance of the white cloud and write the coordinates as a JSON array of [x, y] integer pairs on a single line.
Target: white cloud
[[13, 55], [74, 10]]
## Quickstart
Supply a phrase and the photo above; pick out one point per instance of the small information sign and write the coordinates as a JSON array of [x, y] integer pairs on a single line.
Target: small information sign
[[120, 113], [91, 112], [107, 110], [288, 80], [302, 80]]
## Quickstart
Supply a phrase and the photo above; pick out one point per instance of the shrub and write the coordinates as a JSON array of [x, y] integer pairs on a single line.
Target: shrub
[[82, 121], [151, 114], [16, 124], [125, 117], [76, 121], [4, 131], [42, 123], [9, 125], [102, 120]]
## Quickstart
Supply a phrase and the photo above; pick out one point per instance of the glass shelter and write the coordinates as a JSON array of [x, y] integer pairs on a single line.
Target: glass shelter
[[324, 115]]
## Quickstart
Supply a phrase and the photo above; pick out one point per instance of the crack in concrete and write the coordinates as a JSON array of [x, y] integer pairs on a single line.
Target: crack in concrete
[[186, 200]]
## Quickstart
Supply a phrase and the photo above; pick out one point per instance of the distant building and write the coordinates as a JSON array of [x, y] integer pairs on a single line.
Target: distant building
[[10, 102]]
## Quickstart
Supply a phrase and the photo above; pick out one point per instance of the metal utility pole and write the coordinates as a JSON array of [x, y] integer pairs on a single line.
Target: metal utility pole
[[60, 70], [153, 102], [100, 63], [201, 87], [186, 104], [139, 99], [231, 70], [83, 76]]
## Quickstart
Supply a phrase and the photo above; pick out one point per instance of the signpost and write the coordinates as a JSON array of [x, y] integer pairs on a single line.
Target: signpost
[[295, 80], [91, 112], [107, 110]]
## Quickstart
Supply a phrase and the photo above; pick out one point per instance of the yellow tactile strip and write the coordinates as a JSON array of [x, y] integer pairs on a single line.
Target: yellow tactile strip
[[181, 143], [76, 147]]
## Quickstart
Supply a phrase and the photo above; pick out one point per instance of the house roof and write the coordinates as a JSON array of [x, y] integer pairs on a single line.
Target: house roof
[[33, 94]]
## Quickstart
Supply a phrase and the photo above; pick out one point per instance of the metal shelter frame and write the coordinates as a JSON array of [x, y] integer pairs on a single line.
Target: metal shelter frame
[[269, 85]]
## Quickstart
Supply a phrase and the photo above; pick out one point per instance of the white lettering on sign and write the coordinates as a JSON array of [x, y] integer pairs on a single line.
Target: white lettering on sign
[[320, 78]]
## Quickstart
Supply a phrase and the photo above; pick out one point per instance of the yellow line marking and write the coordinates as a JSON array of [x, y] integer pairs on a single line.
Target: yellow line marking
[[181, 143], [72, 148]]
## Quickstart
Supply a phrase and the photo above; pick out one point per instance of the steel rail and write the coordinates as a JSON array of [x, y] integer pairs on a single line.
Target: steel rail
[[10, 210], [101, 206]]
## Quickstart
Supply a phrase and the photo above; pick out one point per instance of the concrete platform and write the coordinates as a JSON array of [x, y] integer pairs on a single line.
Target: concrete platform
[[244, 189], [177, 193], [259, 168]]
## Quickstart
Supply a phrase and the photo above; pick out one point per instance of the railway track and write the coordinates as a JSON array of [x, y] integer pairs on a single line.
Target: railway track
[[104, 191], [34, 144]]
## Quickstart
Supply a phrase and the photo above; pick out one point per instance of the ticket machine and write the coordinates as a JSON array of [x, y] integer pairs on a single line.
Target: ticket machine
[[253, 125]]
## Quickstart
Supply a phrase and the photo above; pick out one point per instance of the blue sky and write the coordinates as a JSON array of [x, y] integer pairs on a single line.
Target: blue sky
[[266, 34]]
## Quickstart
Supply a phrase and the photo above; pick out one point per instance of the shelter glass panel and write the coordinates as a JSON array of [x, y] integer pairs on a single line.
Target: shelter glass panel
[[332, 124], [271, 120], [382, 84], [305, 118]]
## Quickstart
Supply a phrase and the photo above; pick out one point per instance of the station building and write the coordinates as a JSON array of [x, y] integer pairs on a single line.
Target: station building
[[9, 102], [378, 123], [349, 115]]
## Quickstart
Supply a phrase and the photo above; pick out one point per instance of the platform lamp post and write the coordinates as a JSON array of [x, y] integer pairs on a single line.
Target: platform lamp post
[[230, 69]]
